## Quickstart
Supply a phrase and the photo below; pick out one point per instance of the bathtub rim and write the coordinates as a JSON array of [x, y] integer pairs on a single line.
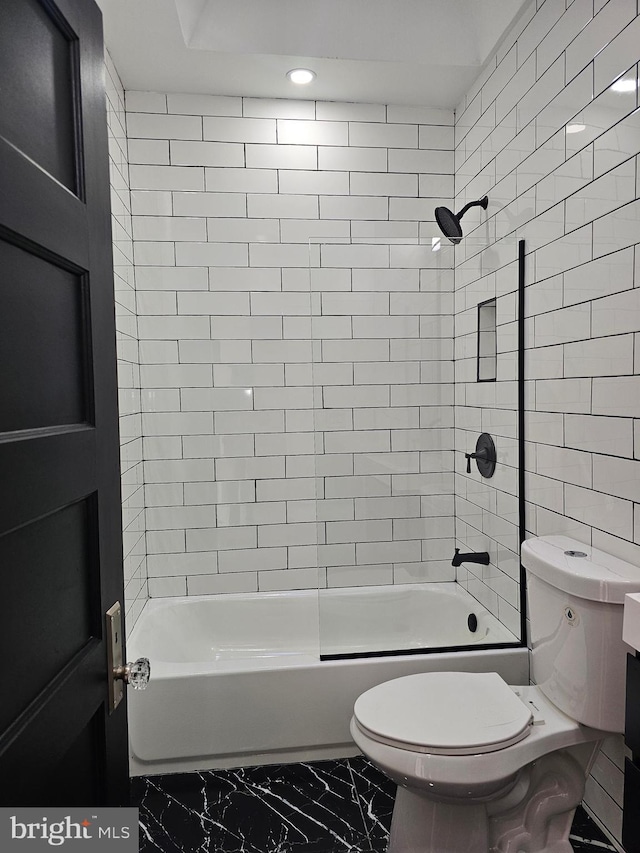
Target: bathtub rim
[[165, 668]]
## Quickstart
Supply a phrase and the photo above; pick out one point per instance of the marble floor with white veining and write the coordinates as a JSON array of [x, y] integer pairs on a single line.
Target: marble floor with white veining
[[341, 806]]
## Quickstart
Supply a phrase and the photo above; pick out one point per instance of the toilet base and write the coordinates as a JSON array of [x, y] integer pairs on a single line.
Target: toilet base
[[535, 815], [421, 826]]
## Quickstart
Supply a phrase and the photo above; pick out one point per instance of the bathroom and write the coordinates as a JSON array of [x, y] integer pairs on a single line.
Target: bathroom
[[299, 367]]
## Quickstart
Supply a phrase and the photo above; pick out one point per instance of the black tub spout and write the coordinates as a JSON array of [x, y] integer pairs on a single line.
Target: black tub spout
[[481, 557]]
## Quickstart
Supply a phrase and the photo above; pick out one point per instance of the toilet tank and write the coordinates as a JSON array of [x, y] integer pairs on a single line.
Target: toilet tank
[[575, 595]]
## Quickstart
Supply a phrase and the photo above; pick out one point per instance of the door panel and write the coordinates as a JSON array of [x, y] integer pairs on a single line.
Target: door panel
[[77, 767], [46, 631], [48, 303], [60, 518], [38, 115]]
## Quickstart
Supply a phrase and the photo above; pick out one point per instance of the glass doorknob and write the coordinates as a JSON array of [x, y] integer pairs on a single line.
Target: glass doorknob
[[136, 674]]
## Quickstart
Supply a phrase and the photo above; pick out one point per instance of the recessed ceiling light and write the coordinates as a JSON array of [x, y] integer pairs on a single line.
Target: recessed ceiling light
[[627, 85], [301, 76], [575, 128]]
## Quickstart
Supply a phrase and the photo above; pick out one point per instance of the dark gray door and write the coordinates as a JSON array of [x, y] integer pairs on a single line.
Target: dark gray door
[[60, 526]]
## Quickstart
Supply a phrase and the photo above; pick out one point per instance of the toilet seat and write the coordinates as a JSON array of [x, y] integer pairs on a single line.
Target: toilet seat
[[445, 713]]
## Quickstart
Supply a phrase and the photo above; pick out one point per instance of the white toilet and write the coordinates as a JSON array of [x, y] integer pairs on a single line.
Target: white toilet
[[483, 766]]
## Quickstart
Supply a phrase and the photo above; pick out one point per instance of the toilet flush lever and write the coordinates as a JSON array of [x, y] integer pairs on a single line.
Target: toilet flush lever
[[136, 674]]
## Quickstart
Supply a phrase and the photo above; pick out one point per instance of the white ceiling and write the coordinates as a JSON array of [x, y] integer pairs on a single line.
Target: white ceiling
[[414, 52]]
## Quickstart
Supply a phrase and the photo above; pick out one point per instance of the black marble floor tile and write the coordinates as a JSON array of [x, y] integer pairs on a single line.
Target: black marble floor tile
[[341, 806], [280, 808], [586, 835], [376, 794]]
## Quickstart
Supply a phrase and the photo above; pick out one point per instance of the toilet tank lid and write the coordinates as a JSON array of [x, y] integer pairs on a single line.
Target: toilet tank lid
[[596, 576]]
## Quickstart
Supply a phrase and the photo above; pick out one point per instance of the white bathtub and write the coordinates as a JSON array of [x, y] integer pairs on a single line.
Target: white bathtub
[[237, 679]]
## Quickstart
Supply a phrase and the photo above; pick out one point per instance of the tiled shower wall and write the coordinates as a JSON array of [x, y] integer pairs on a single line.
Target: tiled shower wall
[[555, 147], [135, 578], [226, 193], [382, 331]]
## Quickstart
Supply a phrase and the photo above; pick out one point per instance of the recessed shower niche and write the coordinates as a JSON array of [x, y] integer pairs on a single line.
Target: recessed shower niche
[[487, 341]]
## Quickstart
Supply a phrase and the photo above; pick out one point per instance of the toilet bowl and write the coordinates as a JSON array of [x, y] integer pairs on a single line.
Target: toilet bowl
[[480, 766], [451, 740], [484, 767]]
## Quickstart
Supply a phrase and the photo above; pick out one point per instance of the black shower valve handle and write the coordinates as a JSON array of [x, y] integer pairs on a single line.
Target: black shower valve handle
[[481, 454], [484, 454]]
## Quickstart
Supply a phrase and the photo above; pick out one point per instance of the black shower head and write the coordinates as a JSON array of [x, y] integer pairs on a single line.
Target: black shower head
[[449, 222]]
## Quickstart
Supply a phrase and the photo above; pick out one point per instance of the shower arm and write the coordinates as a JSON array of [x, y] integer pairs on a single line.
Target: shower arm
[[483, 202]]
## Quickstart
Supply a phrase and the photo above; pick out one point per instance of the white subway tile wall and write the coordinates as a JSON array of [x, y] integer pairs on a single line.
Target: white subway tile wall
[[129, 394], [293, 418], [555, 143], [372, 413]]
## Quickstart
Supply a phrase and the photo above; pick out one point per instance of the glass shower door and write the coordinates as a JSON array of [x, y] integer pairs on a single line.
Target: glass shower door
[[489, 353], [382, 329]]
